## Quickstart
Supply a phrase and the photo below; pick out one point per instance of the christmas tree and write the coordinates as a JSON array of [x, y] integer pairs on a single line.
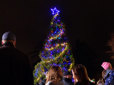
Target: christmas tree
[[56, 50]]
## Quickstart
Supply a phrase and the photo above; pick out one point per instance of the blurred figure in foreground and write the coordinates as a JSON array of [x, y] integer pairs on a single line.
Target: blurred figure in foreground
[[109, 73], [54, 76], [67, 78], [80, 75], [14, 65]]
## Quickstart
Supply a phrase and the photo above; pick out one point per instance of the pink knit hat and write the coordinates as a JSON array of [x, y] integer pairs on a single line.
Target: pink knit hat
[[105, 65]]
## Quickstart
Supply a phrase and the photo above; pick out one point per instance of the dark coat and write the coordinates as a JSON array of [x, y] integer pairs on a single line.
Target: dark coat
[[67, 81], [109, 79], [14, 67]]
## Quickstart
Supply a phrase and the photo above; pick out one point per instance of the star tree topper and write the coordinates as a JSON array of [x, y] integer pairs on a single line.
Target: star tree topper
[[55, 11]]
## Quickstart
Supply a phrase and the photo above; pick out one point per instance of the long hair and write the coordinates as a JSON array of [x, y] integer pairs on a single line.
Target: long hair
[[54, 74], [81, 74]]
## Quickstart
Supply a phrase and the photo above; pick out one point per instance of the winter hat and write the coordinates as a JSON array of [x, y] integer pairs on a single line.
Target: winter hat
[[105, 65], [8, 36]]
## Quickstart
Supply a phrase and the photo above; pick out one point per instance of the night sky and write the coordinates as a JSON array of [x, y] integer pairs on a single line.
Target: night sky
[[88, 23]]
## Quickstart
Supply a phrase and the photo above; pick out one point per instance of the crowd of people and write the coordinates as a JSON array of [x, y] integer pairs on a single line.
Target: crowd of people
[[16, 70], [78, 76]]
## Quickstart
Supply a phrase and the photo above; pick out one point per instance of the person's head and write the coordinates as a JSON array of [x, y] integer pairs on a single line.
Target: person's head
[[9, 37], [80, 73], [67, 74], [54, 74], [106, 65]]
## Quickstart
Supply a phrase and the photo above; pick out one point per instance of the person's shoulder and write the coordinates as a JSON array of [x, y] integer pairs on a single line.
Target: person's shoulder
[[4, 49], [20, 52], [112, 72]]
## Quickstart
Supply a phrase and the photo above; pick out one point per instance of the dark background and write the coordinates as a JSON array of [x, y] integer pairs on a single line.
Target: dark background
[[89, 24]]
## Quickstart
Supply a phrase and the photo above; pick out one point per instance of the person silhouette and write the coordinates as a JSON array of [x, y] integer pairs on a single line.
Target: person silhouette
[[14, 65]]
